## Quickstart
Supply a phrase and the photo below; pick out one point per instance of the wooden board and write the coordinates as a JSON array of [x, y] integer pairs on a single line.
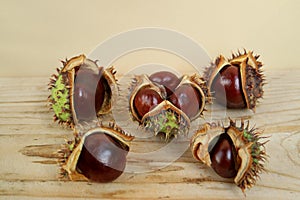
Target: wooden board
[[29, 141]]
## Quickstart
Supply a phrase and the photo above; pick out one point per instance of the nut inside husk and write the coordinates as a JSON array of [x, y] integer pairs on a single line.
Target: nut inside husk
[[73, 79], [251, 154], [71, 151], [250, 73], [164, 117]]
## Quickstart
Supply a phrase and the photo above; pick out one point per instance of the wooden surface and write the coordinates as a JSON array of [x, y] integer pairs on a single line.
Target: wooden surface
[[29, 140]]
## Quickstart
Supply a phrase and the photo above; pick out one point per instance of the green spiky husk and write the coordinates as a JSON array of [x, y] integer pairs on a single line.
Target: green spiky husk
[[60, 99], [166, 122], [64, 154], [258, 154]]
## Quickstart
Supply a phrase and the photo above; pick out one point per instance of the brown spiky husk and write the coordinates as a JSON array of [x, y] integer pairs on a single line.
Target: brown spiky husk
[[247, 141], [200, 81], [253, 76], [251, 136], [63, 154], [254, 88]]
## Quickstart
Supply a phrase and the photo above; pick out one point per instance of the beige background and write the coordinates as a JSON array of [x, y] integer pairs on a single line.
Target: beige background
[[35, 35]]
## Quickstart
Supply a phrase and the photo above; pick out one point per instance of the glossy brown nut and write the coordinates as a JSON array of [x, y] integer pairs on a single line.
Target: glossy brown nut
[[145, 100], [187, 99], [102, 159], [227, 88], [88, 94], [223, 157], [169, 80]]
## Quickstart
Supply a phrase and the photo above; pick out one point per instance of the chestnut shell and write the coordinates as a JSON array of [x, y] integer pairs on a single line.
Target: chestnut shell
[[227, 86], [223, 157], [188, 99], [169, 80]]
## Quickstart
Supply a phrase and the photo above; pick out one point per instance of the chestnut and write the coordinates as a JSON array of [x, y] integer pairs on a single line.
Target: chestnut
[[222, 156], [81, 91], [102, 159], [169, 80], [169, 113], [145, 100], [88, 94], [233, 152], [188, 99], [237, 82], [97, 155]]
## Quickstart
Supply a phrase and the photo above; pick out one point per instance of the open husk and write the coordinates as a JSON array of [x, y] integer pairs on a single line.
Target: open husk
[[251, 154], [61, 85]]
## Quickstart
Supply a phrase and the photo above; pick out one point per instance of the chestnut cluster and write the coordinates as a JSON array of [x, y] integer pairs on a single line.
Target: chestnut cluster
[[165, 103]]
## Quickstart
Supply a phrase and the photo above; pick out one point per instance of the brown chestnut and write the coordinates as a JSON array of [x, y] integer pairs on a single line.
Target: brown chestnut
[[228, 81], [145, 100], [169, 80], [102, 159], [187, 99], [236, 82], [98, 154], [223, 157], [88, 94]]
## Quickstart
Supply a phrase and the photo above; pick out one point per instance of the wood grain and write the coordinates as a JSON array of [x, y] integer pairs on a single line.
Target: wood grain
[[29, 141]]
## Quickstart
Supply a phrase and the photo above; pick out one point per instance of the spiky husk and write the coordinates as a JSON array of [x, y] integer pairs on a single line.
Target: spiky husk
[[200, 82], [251, 74], [59, 99], [251, 151], [64, 153], [252, 139], [167, 122], [70, 151]]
